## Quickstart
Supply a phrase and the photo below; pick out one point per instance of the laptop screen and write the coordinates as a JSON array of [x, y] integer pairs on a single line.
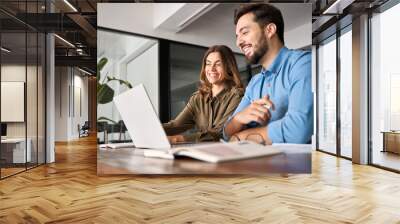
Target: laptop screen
[[140, 118]]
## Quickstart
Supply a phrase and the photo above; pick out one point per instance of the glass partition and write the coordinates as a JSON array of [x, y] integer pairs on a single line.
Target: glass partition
[[385, 89], [13, 95], [327, 96], [22, 88], [346, 93]]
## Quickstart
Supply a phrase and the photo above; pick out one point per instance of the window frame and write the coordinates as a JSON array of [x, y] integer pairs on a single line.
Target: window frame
[[341, 29]]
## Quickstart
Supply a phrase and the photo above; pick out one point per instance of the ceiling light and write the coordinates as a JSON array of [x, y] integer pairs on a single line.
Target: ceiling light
[[70, 5], [65, 41], [79, 51], [86, 72], [198, 13], [337, 7], [5, 50]]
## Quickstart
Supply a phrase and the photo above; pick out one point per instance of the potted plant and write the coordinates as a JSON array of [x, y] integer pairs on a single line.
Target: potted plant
[[105, 94]]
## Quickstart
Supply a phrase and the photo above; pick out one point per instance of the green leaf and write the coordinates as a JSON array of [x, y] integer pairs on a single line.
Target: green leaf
[[106, 119], [124, 82], [110, 78], [100, 66], [105, 94], [121, 82]]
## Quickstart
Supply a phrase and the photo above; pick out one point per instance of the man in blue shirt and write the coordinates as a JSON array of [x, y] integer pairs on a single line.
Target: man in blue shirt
[[278, 102]]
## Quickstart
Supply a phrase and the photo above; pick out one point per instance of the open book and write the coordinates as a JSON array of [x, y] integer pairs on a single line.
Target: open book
[[118, 145], [216, 152]]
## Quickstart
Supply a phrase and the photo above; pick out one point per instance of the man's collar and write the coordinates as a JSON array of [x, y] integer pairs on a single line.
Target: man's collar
[[277, 63]]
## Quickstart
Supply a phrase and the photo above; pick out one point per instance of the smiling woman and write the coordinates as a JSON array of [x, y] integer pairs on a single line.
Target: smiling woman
[[218, 95]]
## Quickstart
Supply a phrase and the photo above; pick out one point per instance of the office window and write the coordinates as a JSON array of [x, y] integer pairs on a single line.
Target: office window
[[134, 59], [346, 93], [385, 85], [327, 96]]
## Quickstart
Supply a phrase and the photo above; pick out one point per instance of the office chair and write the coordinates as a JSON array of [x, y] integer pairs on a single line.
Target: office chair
[[122, 129], [84, 130]]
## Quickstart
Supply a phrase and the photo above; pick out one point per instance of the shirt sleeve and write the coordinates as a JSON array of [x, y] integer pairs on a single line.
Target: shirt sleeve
[[297, 125], [215, 133], [184, 120], [245, 102]]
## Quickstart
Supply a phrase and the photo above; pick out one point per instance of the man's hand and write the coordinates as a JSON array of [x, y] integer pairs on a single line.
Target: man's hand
[[176, 138], [258, 135], [257, 111], [266, 102]]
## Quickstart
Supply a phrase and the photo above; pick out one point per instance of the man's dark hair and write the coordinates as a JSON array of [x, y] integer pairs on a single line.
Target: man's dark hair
[[263, 15]]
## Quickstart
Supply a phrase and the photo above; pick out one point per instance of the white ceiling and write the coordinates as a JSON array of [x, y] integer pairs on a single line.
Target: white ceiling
[[117, 45], [214, 26]]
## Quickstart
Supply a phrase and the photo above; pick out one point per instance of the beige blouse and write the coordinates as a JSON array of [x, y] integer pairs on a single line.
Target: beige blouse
[[206, 114]]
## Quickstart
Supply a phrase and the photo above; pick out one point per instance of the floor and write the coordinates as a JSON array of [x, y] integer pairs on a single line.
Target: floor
[[69, 191], [10, 171], [386, 159]]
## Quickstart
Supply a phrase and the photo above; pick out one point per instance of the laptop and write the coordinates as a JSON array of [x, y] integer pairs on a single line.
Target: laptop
[[147, 132], [140, 119]]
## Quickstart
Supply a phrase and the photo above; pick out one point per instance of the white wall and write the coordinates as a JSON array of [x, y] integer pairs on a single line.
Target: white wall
[[61, 103], [163, 11], [80, 105], [82, 82], [125, 49], [50, 95], [17, 73], [299, 37], [67, 117], [33, 126], [214, 27], [144, 69]]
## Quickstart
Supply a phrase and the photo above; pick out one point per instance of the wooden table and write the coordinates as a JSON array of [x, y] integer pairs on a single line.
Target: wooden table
[[391, 141], [13, 151], [131, 161]]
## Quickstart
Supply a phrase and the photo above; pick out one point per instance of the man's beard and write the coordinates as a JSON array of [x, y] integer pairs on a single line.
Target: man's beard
[[259, 52]]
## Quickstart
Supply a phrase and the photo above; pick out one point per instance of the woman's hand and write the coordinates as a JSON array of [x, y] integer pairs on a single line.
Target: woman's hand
[[176, 138]]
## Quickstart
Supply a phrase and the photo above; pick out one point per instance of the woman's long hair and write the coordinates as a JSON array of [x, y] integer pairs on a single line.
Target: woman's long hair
[[231, 76]]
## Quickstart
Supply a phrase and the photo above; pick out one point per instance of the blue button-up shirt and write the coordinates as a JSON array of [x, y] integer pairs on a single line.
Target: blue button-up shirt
[[288, 83]]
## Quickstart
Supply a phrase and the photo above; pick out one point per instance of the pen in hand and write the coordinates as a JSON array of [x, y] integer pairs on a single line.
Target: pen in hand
[[265, 102]]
